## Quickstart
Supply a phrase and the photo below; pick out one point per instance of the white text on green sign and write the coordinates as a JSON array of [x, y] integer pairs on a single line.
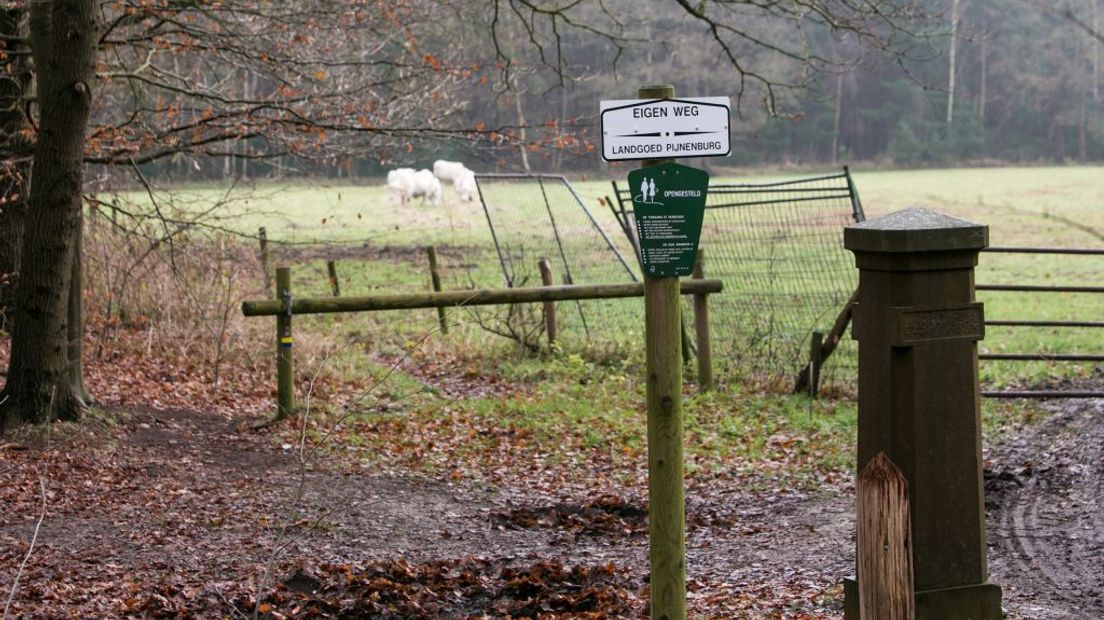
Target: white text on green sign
[[668, 207]]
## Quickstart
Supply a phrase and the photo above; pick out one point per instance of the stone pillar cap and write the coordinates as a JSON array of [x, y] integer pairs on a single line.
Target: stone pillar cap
[[915, 230]]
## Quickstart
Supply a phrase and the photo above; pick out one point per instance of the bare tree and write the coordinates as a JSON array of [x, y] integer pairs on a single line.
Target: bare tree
[[248, 80]]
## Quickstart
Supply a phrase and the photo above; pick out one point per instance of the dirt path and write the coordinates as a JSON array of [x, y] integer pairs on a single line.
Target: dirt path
[[1045, 495], [176, 514]]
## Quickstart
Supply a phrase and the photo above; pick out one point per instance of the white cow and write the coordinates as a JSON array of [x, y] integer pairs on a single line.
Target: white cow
[[408, 184], [448, 170], [397, 181], [465, 186]]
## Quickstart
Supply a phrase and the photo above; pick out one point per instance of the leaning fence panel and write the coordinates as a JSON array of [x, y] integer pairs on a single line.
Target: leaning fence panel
[[537, 216], [778, 248]]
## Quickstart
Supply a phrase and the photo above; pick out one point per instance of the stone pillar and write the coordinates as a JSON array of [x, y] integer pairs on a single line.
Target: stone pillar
[[918, 325]]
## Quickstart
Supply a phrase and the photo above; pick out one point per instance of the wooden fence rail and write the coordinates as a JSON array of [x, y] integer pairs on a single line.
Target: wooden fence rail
[[279, 308], [475, 297]]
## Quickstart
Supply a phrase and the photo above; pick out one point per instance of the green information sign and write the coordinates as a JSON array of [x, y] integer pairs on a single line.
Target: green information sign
[[668, 205]]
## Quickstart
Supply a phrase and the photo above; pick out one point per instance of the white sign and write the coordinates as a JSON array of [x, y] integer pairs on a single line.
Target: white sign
[[665, 128]]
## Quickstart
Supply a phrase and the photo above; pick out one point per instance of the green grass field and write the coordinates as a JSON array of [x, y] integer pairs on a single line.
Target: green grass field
[[589, 393], [1052, 206]]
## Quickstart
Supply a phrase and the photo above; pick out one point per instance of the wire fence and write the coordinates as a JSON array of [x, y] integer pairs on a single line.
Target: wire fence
[[535, 216], [778, 248]]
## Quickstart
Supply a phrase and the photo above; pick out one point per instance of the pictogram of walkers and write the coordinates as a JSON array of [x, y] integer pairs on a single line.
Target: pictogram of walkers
[[647, 192]]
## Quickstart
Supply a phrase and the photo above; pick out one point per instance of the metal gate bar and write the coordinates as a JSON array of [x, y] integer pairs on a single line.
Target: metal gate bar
[[1043, 357]]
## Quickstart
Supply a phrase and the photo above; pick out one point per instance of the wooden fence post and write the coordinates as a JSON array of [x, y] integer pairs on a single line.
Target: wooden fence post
[[335, 287], [701, 329], [435, 277], [828, 343], [545, 267], [285, 366], [262, 238], [816, 350], [885, 543]]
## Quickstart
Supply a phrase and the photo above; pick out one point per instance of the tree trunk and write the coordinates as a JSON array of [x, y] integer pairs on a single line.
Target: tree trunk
[[1096, 45], [951, 62], [836, 119], [39, 388], [15, 173], [522, 133], [984, 86], [1083, 113], [561, 129], [75, 322]]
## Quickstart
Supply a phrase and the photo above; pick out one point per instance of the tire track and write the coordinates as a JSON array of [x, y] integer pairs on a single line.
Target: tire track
[[1044, 492]]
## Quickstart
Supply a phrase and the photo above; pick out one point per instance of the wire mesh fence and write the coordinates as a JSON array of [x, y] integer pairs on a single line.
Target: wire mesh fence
[[535, 216], [778, 248]]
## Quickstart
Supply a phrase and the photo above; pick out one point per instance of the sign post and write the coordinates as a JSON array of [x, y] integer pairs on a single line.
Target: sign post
[[668, 206], [666, 502]]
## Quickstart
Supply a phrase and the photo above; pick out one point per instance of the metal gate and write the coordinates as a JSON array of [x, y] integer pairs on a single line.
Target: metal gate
[[1056, 317], [534, 216], [778, 248]]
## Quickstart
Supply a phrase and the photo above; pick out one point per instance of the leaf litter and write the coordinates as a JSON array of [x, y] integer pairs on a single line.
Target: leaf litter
[[169, 512]]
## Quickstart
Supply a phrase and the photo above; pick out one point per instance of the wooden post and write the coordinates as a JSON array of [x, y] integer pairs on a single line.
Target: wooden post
[[335, 287], [262, 237], [285, 367], [701, 329], [885, 543], [816, 349], [545, 267], [829, 343], [666, 504], [435, 277], [685, 341]]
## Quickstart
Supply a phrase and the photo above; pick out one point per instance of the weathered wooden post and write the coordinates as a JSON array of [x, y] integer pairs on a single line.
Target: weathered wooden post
[[816, 351], [668, 209], [335, 286], [666, 501], [884, 557], [262, 238], [701, 329], [435, 279], [545, 267], [285, 367], [918, 325]]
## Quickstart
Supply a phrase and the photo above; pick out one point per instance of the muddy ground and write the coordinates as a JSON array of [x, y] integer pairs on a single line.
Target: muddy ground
[[185, 514], [1045, 501]]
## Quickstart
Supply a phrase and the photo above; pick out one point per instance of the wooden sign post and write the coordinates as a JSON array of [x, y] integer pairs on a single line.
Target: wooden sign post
[[666, 503], [668, 207]]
